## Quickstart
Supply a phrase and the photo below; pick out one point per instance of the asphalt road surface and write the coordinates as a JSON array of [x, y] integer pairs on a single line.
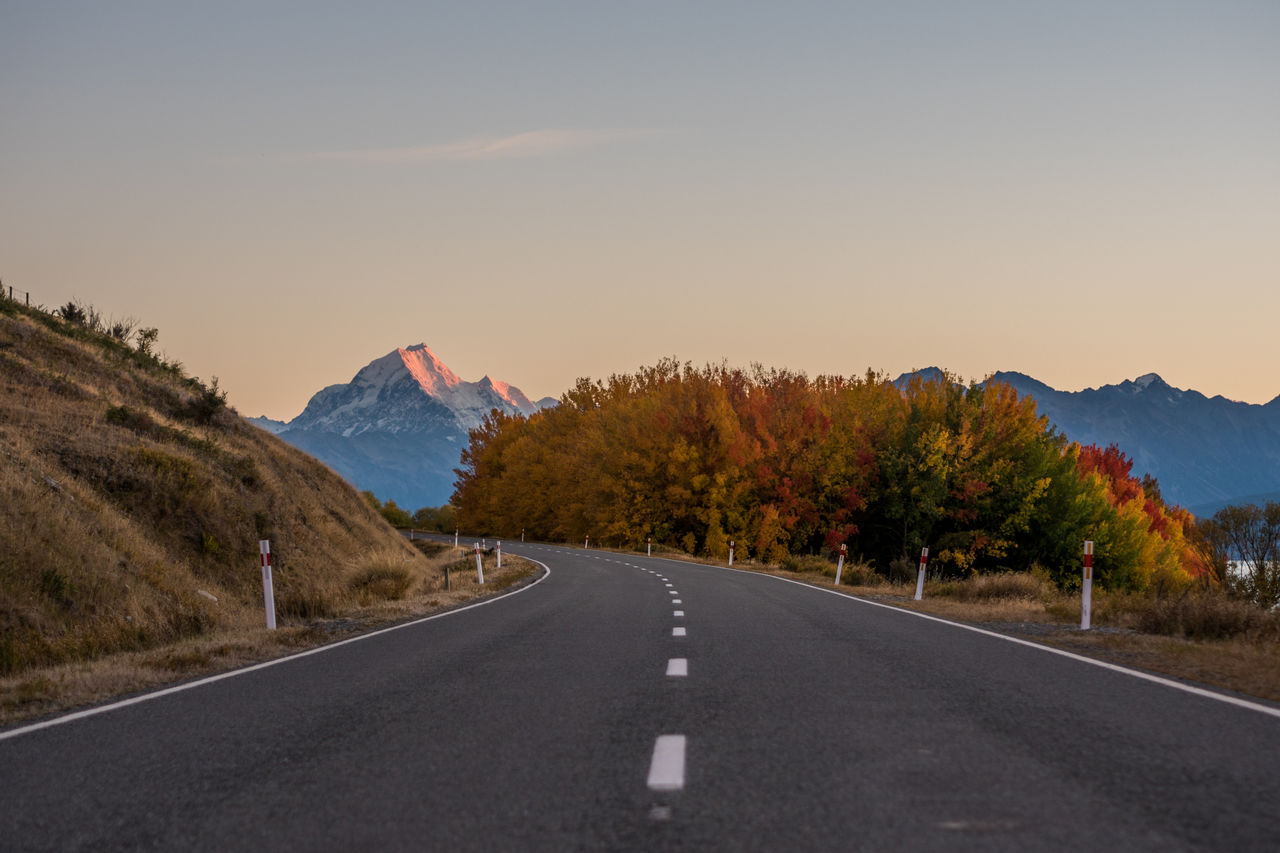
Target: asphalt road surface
[[625, 703]]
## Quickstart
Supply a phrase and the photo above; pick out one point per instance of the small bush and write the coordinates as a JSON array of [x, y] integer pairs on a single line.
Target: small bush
[[72, 312], [430, 548], [808, 563], [994, 587], [121, 330], [55, 585], [902, 570], [384, 582], [304, 598], [1204, 616], [860, 574], [133, 419], [205, 403], [146, 341]]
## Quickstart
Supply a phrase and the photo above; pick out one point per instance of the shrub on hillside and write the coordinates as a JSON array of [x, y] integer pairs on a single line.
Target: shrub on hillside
[[382, 581]]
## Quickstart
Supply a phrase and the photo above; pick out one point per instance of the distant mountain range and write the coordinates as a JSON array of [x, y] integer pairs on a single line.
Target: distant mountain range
[[398, 427], [1206, 452]]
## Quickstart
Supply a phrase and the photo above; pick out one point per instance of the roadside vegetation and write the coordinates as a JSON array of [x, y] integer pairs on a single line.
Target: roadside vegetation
[[390, 591], [132, 500], [783, 465], [789, 468]]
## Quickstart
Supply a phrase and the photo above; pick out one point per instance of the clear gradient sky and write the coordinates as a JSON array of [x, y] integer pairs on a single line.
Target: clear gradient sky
[[1082, 191]]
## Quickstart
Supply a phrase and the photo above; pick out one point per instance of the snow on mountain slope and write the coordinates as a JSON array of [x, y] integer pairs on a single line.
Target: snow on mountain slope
[[409, 389], [399, 426]]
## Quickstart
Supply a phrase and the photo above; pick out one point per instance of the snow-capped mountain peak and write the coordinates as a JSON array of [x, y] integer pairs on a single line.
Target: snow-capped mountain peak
[[409, 390], [432, 374], [398, 427], [511, 394]]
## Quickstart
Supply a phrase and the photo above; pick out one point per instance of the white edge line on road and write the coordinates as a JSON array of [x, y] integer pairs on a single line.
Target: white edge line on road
[[1134, 673], [178, 688], [666, 771], [1145, 676]]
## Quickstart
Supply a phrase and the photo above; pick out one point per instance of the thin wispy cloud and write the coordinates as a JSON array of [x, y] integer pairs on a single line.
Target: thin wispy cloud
[[534, 143]]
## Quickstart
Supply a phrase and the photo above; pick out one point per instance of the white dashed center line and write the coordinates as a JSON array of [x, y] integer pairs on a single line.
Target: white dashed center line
[[677, 632], [678, 613], [678, 667], [666, 771], [672, 592], [677, 601]]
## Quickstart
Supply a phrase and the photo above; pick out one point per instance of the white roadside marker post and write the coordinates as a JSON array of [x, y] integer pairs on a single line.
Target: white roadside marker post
[[586, 543], [844, 549], [499, 553], [455, 537], [924, 562], [731, 553], [1086, 590], [268, 587], [648, 546], [479, 566], [521, 534]]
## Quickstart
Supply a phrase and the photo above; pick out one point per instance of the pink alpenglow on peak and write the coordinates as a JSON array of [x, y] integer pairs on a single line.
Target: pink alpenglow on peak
[[399, 426], [411, 389], [433, 375], [511, 394]]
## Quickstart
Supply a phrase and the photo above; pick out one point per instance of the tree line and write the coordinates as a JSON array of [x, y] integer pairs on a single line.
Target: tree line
[[783, 465]]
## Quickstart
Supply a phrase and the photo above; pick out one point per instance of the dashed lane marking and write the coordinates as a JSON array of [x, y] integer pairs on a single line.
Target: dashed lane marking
[[666, 770]]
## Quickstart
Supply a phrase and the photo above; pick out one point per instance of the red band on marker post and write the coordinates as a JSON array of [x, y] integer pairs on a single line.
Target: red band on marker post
[[924, 561], [1086, 588]]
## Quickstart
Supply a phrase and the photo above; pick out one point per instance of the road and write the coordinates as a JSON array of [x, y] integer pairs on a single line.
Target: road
[[557, 718]]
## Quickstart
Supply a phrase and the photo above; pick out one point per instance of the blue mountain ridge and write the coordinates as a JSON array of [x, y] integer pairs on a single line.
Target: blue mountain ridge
[[1206, 452]]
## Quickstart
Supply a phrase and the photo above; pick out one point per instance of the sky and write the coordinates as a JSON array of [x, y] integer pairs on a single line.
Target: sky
[[1084, 192]]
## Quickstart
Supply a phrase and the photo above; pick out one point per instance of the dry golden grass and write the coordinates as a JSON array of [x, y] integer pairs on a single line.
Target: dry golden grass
[[1244, 666], [53, 689], [131, 509]]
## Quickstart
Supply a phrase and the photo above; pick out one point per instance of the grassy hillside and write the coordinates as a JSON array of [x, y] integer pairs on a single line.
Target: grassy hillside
[[132, 500]]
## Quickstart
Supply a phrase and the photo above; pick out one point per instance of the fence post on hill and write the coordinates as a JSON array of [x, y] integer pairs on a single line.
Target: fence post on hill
[[268, 587], [499, 553], [924, 563], [844, 549], [479, 565], [730, 553], [1086, 588]]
